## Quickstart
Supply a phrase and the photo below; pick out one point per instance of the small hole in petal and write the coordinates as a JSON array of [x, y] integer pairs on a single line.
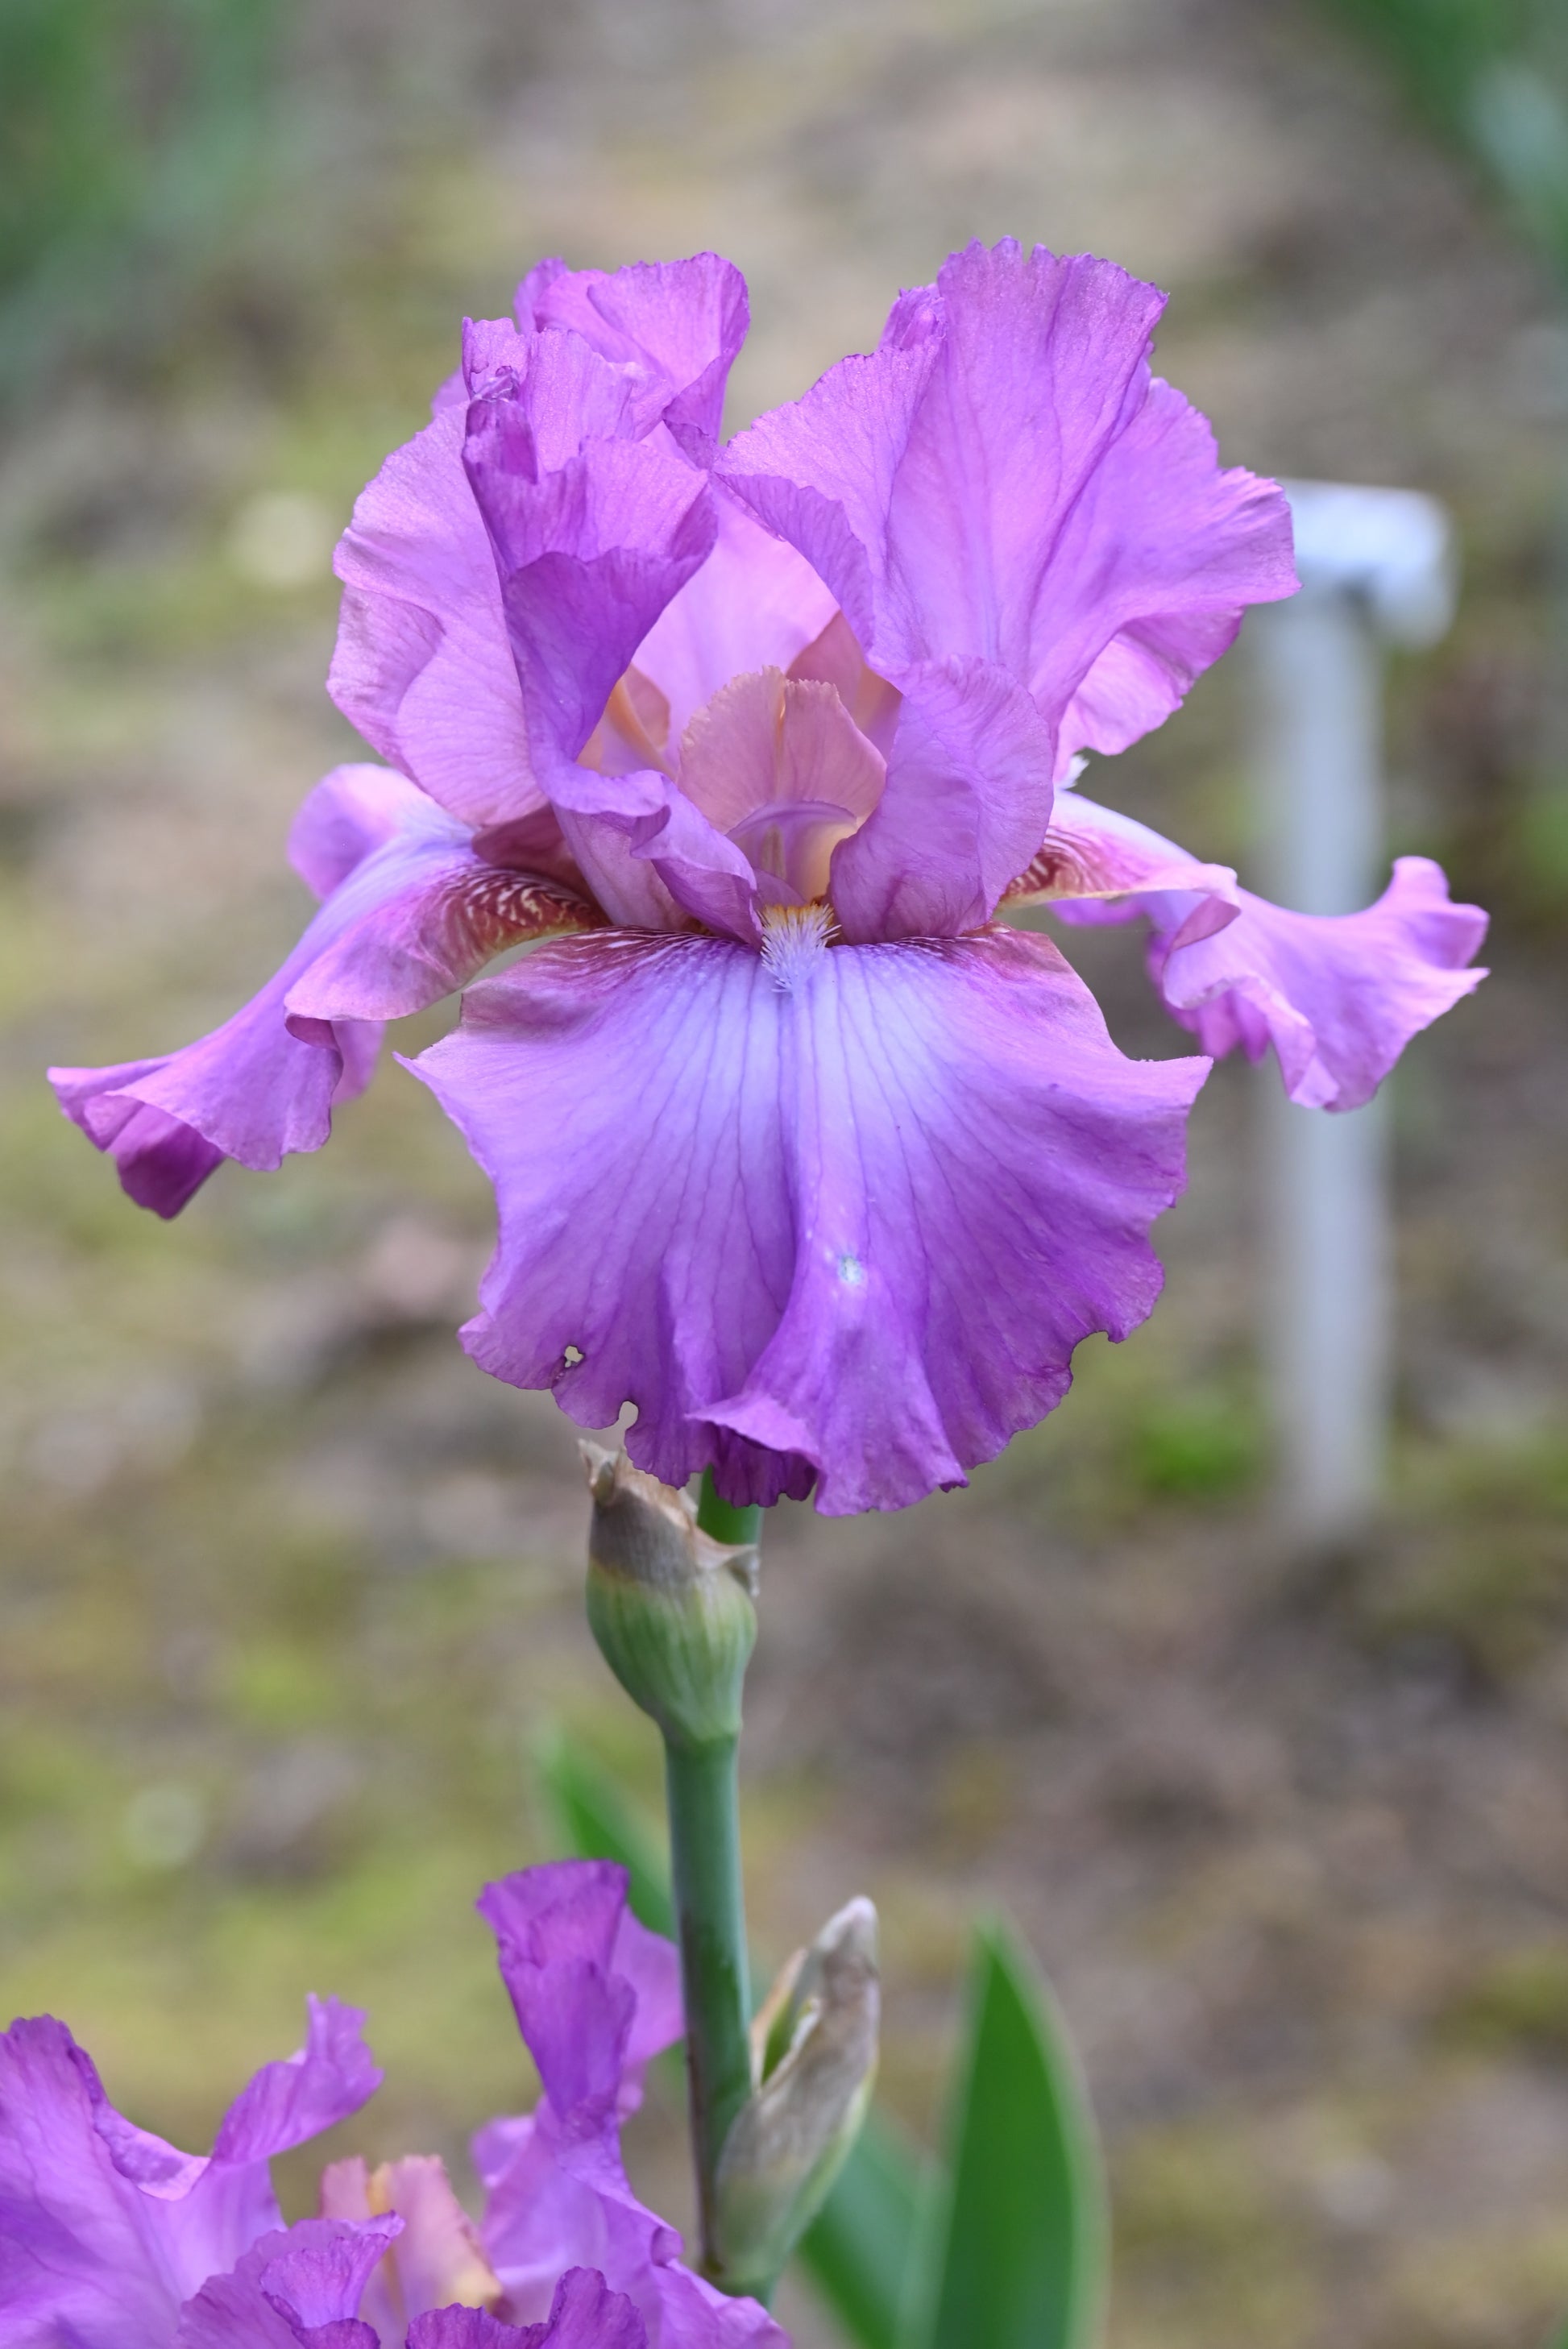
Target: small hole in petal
[[573, 1356], [851, 1271]]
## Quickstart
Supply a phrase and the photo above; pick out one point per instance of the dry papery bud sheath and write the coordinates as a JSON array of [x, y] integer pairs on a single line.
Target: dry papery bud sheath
[[670, 1607], [814, 2060]]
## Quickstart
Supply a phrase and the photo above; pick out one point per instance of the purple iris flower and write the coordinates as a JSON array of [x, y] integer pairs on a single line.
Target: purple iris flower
[[111, 2239], [795, 1148]]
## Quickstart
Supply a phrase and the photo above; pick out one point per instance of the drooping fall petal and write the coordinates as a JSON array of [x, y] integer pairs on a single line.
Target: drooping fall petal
[[842, 1218], [411, 913], [1339, 996]]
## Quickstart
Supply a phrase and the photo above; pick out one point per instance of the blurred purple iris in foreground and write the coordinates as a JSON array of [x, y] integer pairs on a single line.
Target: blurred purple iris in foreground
[[794, 1148], [111, 2239]]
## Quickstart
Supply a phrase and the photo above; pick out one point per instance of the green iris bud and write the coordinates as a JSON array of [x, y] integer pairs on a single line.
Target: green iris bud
[[670, 1607], [814, 2060]]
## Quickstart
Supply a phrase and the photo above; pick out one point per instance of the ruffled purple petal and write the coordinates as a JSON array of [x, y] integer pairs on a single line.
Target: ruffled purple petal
[[299, 2285], [105, 2229], [289, 2102], [595, 1995], [436, 2260], [422, 666], [1005, 478], [652, 859], [264, 1084], [1004, 483], [80, 2259], [556, 1929], [577, 1909], [841, 1217], [594, 531], [967, 795], [1339, 996], [584, 2314], [679, 323]]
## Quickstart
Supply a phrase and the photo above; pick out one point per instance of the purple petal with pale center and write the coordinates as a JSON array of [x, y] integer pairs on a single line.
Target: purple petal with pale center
[[842, 1218]]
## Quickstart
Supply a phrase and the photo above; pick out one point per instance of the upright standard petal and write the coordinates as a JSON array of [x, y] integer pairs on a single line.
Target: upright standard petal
[[579, 1907], [679, 323], [1339, 996], [422, 666], [1003, 484], [414, 913], [593, 531], [104, 2228], [754, 604], [1009, 483], [836, 1216]]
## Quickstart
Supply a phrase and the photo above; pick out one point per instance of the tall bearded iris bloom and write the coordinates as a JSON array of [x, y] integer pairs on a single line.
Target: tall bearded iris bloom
[[111, 2239], [795, 1149]]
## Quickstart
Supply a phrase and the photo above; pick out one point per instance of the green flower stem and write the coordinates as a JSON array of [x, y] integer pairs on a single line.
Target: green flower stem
[[722, 1522], [702, 1787]]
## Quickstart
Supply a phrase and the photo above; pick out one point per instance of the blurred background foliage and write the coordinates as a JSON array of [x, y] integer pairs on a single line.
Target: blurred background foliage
[[289, 1589], [1492, 76], [132, 134]]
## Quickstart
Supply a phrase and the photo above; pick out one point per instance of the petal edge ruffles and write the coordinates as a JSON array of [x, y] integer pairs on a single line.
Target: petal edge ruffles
[[1339, 996], [1005, 484], [595, 1995], [846, 1231], [105, 2229], [411, 913]]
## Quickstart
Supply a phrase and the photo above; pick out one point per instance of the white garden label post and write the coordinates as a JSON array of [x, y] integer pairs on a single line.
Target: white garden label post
[[1376, 567]]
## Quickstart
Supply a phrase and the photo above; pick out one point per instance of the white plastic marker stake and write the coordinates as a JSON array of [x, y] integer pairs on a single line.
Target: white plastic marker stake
[[1377, 566]]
